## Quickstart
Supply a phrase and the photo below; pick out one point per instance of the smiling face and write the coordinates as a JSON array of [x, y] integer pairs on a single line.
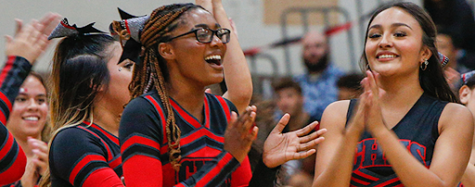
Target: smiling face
[[394, 43], [190, 60], [30, 110]]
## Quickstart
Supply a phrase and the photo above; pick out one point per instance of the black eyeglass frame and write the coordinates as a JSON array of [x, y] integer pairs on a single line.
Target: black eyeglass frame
[[214, 32]]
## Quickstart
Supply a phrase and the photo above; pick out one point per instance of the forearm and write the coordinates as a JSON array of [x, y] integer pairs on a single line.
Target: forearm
[[12, 75], [341, 163], [236, 71], [409, 170], [12, 157], [206, 4]]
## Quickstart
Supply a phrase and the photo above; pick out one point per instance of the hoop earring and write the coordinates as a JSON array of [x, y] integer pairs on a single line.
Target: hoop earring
[[424, 65]]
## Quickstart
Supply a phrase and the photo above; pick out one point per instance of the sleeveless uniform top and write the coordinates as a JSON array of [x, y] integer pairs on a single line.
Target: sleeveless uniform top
[[417, 131], [204, 161]]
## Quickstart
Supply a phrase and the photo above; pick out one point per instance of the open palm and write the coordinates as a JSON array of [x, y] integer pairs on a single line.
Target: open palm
[[281, 147]]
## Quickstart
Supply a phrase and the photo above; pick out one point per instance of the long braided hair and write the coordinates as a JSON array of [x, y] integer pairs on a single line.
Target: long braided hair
[[152, 71]]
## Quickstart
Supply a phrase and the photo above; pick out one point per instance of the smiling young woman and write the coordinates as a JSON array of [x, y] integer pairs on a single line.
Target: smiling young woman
[[172, 133], [406, 111], [28, 125]]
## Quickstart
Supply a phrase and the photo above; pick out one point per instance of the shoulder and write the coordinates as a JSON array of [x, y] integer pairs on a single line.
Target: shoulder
[[338, 107], [335, 71], [455, 115], [142, 101], [73, 131], [335, 113], [223, 102], [146, 104], [73, 135]]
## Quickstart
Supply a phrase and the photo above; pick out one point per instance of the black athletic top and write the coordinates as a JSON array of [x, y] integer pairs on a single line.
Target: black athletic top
[[417, 130]]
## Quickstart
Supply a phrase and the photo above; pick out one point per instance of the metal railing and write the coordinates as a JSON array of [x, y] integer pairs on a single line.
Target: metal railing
[[304, 13]]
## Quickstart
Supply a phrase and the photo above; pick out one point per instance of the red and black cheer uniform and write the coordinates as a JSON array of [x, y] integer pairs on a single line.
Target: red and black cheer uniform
[[12, 157], [417, 131], [204, 161], [85, 155]]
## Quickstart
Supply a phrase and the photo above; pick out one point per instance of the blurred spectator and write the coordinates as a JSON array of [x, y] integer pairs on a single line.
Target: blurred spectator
[[349, 86], [456, 17], [453, 69], [319, 83], [446, 46], [290, 100]]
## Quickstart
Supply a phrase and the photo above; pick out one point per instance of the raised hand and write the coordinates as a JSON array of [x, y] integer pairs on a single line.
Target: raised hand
[[281, 147], [240, 133], [374, 118], [30, 41], [36, 165], [30, 177], [49, 21]]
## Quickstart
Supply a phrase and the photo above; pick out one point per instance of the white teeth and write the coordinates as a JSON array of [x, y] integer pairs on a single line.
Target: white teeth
[[31, 118], [213, 57], [387, 56]]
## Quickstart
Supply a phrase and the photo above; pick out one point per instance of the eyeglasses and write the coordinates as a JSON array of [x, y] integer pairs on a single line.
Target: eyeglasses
[[205, 35]]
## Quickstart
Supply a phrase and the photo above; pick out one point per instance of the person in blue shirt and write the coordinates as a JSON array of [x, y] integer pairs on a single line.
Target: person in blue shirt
[[319, 82]]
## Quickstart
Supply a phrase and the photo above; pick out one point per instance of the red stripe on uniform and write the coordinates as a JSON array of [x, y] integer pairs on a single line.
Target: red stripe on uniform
[[103, 177], [161, 114], [358, 172], [139, 140], [86, 160], [109, 151], [16, 170], [109, 135], [137, 175], [115, 163], [207, 118], [191, 120], [387, 182], [6, 69], [205, 152], [7, 146], [200, 134], [215, 171], [3, 116], [225, 106], [359, 181]]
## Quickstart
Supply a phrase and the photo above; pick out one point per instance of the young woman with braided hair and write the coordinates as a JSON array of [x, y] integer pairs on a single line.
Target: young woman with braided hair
[[172, 133]]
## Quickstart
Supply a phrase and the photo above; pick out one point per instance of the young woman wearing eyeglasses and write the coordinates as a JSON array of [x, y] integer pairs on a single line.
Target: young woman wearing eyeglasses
[[172, 133]]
